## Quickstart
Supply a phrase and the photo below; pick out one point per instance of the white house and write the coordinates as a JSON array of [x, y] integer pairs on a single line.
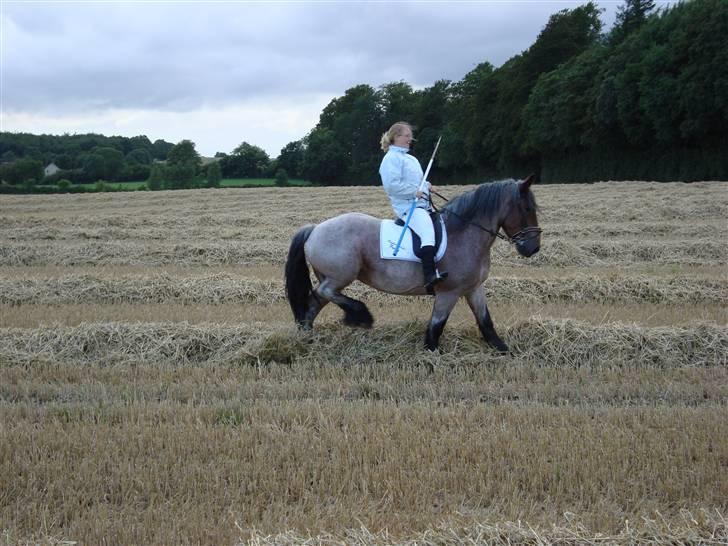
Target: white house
[[52, 168]]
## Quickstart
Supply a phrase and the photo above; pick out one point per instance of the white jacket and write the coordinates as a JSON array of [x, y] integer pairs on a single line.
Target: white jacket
[[401, 176]]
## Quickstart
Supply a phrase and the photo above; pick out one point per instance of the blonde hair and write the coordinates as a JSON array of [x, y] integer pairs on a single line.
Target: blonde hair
[[394, 131]]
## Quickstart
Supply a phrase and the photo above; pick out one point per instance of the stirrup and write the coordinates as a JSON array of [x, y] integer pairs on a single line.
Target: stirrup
[[432, 281]]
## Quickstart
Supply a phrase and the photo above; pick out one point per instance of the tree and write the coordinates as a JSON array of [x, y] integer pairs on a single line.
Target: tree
[[21, 171], [558, 115], [214, 175], [138, 156], [630, 17], [8, 157], [281, 178], [326, 159], [292, 157], [397, 102], [347, 134], [183, 164], [156, 178], [113, 162], [496, 130], [94, 166], [160, 149], [184, 153], [245, 161]]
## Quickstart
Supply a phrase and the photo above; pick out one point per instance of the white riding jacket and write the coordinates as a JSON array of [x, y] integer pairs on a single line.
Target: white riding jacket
[[401, 176]]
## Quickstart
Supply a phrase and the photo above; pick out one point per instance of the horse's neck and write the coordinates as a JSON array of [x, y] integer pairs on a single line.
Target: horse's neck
[[474, 237]]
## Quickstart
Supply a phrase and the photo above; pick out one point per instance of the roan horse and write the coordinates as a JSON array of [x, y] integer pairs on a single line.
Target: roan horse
[[346, 248]]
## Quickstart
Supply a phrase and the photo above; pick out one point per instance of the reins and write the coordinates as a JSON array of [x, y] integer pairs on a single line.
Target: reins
[[520, 236]]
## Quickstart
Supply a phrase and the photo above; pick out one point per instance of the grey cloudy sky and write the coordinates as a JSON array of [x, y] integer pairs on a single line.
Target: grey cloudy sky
[[220, 73]]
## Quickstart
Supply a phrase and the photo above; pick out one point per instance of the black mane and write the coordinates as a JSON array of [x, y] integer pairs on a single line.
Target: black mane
[[485, 200]]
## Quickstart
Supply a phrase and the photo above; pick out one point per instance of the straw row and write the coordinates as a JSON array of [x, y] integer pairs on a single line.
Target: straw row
[[544, 342], [707, 527], [554, 253], [225, 288]]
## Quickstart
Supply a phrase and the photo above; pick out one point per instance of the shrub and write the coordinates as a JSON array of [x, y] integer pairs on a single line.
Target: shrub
[[281, 177]]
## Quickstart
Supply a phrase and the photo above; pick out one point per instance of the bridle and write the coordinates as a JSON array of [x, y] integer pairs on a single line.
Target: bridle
[[520, 237]]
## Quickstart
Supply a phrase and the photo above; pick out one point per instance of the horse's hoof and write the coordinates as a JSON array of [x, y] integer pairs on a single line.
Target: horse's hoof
[[358, 323], [499, 346]]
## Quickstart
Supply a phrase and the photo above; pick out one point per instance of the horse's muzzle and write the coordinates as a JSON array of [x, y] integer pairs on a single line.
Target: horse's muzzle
[[527, 241], [528, 249]]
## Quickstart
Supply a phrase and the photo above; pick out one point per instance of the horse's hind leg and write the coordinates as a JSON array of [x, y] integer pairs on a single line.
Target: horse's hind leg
[[355, 312], [479, 307], [315, 304]]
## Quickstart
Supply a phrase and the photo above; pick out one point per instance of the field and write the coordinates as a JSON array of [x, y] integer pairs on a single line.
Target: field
[[153, 388], [225, 183]]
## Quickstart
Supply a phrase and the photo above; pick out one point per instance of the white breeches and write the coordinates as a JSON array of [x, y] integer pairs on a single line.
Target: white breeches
[[421, 224]]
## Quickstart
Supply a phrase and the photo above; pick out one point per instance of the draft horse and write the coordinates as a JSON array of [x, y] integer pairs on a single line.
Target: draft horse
[[345, 248]]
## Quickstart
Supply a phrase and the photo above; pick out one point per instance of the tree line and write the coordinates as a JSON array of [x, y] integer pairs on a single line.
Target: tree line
[[646, 100], [93, 158]]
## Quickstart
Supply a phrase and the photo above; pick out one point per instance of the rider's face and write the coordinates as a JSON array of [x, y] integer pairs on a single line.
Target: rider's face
[[404, 139]]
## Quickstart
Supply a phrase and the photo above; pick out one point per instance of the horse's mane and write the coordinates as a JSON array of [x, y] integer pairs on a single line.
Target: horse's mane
[[485, 200]]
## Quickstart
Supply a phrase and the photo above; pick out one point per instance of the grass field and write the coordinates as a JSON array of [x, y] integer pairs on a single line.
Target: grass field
[[154, 390], [225, 183], [259, 182]]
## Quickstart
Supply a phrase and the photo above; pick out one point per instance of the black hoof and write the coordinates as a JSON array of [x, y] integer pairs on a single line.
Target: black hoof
[[499, 346], [358, 316]]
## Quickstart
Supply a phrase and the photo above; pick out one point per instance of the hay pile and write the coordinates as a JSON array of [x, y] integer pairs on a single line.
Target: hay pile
[[569, 343], [541, 342], [555, 252], [704, 528], [147, 253], [224, 288], [156, 288], [112, 343]]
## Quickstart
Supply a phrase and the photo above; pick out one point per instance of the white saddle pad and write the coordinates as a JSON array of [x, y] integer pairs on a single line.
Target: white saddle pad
[[389, 233]]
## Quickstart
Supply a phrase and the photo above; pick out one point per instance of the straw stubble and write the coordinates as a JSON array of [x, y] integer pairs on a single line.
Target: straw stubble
[[154, 390]]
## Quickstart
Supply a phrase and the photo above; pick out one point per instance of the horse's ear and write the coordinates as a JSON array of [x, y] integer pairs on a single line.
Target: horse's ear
[[526, 184]]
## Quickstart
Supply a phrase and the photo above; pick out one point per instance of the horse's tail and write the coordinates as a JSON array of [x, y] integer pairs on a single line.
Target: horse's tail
[[298, 280]]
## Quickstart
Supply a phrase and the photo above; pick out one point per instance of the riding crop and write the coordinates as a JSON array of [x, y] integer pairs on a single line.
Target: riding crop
[[414, 201]]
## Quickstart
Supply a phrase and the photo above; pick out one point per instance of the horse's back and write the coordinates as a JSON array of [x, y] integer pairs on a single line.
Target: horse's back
[[336, 246]]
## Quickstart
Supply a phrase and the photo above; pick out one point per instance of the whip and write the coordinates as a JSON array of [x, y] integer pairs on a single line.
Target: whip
[[414, 201]]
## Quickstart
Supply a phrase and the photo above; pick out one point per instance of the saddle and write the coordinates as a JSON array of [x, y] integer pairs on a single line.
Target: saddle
[[410, 248]]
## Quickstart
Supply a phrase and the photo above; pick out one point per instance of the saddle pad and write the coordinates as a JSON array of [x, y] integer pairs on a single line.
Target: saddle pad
[[389, 233]]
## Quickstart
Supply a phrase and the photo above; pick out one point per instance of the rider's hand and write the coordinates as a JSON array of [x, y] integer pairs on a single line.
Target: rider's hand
[[422, 194]]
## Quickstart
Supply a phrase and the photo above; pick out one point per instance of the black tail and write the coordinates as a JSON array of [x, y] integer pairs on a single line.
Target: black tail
[[298, 280]]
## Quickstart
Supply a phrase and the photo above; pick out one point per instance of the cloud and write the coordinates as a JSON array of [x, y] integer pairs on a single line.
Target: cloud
[[71, 65]]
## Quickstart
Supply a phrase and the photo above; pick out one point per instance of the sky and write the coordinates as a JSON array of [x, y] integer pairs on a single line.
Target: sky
[[221, 73]]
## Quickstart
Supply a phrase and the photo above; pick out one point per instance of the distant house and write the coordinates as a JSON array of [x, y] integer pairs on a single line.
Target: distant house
[[51, 169]]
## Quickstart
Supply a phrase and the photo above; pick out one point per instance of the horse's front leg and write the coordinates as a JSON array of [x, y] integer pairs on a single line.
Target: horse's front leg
[[479, 307], [444, 302]]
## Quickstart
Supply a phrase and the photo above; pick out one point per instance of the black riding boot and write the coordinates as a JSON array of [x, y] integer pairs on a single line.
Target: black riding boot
[[432, 275]]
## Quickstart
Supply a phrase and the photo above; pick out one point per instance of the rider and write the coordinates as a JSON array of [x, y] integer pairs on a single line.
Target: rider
[[401, 176]]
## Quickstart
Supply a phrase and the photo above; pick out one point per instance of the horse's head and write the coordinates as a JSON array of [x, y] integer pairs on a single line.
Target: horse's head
[[521, 223]]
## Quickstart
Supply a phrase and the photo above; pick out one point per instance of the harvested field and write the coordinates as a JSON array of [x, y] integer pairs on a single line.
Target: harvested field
[[154, 390]]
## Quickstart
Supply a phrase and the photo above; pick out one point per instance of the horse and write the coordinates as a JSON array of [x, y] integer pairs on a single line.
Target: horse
[[346, 248]]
